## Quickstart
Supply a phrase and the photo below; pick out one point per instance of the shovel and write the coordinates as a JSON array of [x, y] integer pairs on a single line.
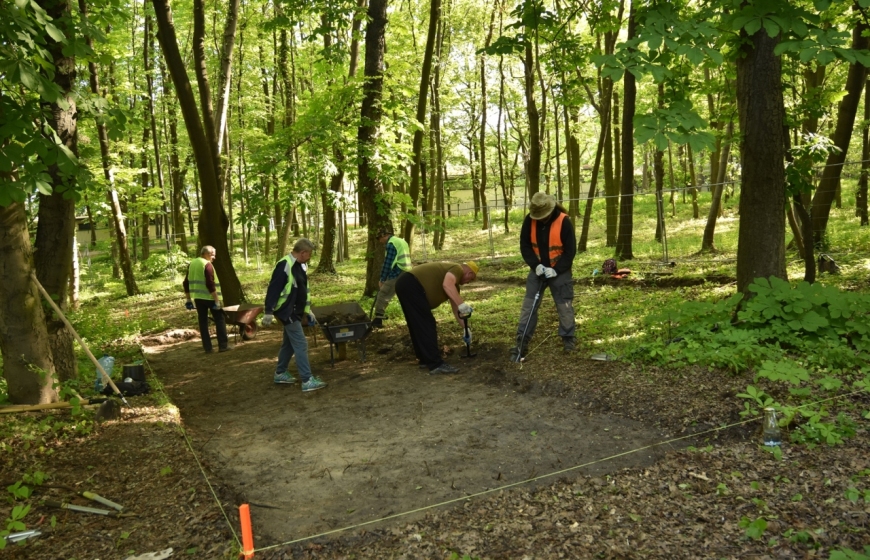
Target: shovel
[[467, 344]]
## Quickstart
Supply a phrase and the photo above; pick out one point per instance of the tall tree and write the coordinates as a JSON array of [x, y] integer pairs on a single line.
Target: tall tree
[[846, 112], [626, 201], [213, 221], [55, 232], [422, 99], [370, 187], [761, 234]]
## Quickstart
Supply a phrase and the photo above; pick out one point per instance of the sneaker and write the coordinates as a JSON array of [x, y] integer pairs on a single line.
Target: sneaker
[[568, 344], [209, 351], [443, 368], [313, 384], [284, 378], [227, 349], [378, 323]]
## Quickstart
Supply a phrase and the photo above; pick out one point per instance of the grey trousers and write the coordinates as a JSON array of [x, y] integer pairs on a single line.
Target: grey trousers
[[385, 294], [562, 290]]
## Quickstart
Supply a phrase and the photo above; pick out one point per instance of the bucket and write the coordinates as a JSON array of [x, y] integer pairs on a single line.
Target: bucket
[[136, 372]]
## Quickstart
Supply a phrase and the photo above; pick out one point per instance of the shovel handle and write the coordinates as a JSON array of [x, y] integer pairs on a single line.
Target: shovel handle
[[102, 500]]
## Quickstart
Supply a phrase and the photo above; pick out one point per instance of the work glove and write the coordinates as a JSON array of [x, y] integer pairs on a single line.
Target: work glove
[[312, 320], [539, 270], [216, 306], [466, 336], [550, 272], [267, 319], [465, 310], [189, 305]]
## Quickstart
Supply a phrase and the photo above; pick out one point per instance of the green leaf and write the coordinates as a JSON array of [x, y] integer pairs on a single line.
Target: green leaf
[[771, 27], [752, 26], [55, 33]]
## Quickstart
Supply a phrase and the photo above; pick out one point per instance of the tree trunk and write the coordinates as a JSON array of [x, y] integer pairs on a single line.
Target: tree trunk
[[533, 164], [422, 97], [761, 234], [506, 199], [694, 182], [24, 341], [861, 201], [213, 222], [483, 113], [603, 138], [55, 232], [626, 201], [370, 188], [830, 181], [175, 175], [716, 189]]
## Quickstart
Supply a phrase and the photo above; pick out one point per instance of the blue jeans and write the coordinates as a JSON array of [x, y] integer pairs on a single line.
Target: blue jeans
[[294, 343]]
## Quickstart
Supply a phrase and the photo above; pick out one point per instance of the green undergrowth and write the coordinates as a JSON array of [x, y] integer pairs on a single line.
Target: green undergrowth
[[803, 344]]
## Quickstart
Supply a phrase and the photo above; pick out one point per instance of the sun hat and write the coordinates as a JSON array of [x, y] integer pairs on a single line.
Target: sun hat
[[473, 266], [542, 205]]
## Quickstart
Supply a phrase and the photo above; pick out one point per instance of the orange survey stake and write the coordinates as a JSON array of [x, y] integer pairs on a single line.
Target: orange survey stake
[[247, 533]]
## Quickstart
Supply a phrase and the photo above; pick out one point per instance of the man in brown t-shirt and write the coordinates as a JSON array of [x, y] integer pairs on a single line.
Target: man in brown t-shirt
[[421, 290]]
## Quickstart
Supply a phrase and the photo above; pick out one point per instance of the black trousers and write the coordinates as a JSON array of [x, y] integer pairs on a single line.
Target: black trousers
[[421, 322], [203, 306]]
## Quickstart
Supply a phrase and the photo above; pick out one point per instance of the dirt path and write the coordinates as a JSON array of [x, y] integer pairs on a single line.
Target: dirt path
[[383, 438]]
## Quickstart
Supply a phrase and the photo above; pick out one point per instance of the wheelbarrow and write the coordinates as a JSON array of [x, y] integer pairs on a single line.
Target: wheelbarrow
[[243, 319], [342, 323]]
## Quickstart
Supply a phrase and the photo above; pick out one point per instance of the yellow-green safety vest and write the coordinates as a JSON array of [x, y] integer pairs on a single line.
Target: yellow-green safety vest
[[196, 280], [403, 253], [289, 261]]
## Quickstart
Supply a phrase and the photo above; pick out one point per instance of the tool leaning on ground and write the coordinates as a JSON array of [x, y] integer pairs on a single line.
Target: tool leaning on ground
[[81, 342]]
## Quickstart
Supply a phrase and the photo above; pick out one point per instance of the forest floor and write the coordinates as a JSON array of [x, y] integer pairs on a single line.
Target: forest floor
[[559, 457]]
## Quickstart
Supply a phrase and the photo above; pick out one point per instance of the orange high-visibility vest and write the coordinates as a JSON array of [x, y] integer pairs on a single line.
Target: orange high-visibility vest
[[555, 240]]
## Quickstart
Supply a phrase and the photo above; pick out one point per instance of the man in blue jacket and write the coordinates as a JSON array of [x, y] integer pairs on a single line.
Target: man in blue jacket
[[289, 299]]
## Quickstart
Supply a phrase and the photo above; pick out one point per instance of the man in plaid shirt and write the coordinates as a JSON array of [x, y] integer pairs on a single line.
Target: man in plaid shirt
[[397, 261]]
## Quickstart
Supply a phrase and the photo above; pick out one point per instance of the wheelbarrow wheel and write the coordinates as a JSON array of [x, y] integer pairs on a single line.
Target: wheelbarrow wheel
[[249, 331]]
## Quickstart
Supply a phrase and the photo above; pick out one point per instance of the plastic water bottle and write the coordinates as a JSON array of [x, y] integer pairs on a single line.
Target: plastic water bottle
[[108, 362], [770, 431]]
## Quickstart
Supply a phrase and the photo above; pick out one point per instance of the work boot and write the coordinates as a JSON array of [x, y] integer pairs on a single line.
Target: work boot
[[521, 349], [378, 323], [568, 344]]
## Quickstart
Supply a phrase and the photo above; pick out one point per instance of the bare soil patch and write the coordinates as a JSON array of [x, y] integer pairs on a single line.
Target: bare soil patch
[[384, 437]]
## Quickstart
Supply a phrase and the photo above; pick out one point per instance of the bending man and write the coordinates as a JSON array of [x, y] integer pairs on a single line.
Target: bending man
[[421, 290], [548, 247]]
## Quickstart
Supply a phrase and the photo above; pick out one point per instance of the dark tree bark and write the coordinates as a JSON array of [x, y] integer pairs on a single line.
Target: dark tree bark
[[24, 341], [626, 201], [370, 188], [55, 232], [830, 181], [422, 97], [861, 202], [213, 222], [761, 235]]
